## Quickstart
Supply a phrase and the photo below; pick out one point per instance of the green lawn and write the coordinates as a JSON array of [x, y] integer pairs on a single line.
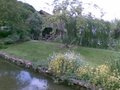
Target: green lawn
[[39, 51], [97, 56]]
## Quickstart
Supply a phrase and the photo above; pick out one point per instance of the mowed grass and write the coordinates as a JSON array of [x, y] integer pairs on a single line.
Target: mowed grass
[[39, 51], [97, 56]]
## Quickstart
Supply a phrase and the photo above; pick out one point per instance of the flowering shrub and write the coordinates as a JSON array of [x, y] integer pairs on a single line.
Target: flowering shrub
[[70, 63], [113, 79], [65, 63], [84, 72], [112, 82], [100, 75]]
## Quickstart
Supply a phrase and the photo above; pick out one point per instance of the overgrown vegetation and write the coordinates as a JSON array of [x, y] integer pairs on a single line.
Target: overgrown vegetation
[[65, 64], [68, 65], [84, 30], [97, 66], [20, 22]]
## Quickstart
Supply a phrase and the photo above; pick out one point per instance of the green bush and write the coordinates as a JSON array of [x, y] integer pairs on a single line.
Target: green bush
[[2, 45], [84, 72], [70, 64], [11, 39], [115, 64], [100, 76], [65, 63]]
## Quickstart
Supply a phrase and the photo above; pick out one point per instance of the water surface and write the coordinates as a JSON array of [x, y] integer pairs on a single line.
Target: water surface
[[16, 78]]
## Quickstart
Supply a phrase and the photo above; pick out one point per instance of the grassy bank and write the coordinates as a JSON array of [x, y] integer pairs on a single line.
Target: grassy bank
[[70, 64], [39, 51], [35, 51]]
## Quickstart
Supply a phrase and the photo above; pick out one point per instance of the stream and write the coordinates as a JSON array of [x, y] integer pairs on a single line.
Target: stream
[[13, 77]]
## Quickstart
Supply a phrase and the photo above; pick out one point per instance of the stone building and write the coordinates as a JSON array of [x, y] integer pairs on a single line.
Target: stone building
[[52, 31]]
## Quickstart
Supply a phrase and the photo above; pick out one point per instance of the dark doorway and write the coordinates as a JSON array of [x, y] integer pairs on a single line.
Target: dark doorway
[[46, 33]]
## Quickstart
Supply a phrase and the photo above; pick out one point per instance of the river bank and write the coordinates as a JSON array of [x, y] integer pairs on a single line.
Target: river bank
[[43, 70]]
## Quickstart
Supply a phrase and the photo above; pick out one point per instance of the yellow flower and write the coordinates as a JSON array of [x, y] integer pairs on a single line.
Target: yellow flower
[[102, 69]]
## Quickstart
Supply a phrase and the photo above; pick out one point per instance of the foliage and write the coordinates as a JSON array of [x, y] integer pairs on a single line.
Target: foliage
[[14, 19], [106, 75], [95, 33], [4, 31], [2, 45], [64, 64], [11, 39], [115, 35], [100, 76], [116, 32], [66, 12], [27, 7], [35, 24], [115, 64], [79, 29], [84, 72]]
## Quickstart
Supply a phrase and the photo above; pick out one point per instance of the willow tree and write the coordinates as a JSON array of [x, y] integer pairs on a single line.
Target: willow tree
[[65, 14], [81, 29], [70, 12], [115, 34]]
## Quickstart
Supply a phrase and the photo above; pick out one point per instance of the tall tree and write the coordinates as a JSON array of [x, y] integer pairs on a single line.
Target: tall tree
[[67, 12], [35, 24], [13, 15]]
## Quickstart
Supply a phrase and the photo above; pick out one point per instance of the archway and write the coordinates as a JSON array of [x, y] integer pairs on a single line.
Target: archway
[[46, 33]]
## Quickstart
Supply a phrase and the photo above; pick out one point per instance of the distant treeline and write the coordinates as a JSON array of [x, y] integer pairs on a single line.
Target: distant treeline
[[21, 22]]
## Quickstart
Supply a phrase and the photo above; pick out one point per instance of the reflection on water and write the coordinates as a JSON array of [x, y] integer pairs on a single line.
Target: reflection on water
[[14, 78], [36, 84], [31, 83]]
